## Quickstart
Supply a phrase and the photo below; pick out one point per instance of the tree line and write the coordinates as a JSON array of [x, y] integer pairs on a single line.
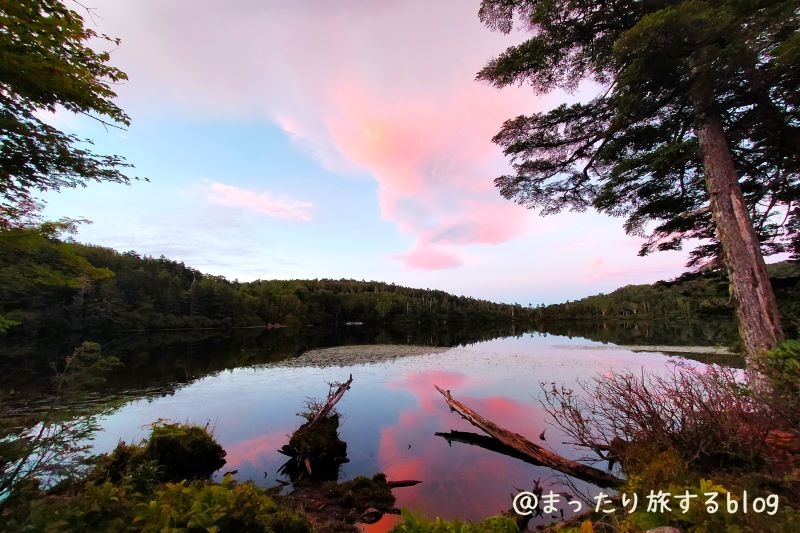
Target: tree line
[[692, 297], [48, 283]]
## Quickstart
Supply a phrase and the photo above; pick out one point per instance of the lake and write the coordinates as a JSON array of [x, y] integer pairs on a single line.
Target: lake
[[391, 413]]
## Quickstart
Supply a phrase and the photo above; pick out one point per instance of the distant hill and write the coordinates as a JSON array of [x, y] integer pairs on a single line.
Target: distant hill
[[692, 297], [50, 285]]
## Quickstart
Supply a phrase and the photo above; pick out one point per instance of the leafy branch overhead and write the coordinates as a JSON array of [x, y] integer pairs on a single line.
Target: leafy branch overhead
[[632, 151], [46, 65]]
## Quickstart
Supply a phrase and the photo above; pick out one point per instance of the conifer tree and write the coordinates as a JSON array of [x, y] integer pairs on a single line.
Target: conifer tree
[[693, 134]]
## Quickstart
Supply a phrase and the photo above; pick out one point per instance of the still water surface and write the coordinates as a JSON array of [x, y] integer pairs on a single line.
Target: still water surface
[[391, 413]]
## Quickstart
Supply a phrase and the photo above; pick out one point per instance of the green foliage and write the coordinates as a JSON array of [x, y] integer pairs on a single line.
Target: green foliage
[[783, 363], [701, 298], [413, 523], [198, 506], [38, 271], [85, 370], [104, 507], [46, 64], [226, 506], [6, 324]]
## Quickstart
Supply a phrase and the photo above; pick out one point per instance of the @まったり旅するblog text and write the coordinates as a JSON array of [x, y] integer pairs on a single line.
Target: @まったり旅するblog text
[[526, 503]]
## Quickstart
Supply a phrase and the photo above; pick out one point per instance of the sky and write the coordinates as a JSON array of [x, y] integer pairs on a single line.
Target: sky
[[317, 139]]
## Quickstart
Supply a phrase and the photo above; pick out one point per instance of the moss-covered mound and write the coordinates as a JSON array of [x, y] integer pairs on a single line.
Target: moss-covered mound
[[173, 452], [184, 452]]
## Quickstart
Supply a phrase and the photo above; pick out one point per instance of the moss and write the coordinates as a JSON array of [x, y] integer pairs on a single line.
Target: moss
[[321, 439], [173, 452], [362, 492], [184, 452], [126, 462]]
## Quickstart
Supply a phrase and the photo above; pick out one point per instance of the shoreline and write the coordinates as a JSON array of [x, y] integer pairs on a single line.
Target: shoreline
[[357, 354], [708, 350]]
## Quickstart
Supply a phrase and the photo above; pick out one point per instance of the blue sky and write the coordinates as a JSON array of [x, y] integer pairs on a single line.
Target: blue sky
[[312, 139]]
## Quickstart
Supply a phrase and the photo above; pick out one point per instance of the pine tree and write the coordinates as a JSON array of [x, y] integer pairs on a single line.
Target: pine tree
[[694, 132]]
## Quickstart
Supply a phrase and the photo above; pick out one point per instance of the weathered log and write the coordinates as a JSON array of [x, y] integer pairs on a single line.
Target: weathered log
[[531, 450], [403, 483], [315, 449], [333, 398], [487, 443]]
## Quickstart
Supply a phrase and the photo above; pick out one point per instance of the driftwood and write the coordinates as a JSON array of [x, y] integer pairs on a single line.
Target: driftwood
[[533, 451], [333, 398], [315, 450], [487, 443], [403, 483]]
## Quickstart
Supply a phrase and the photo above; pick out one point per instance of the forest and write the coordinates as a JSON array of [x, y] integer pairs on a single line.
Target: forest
[[49, 283], [692, 297]]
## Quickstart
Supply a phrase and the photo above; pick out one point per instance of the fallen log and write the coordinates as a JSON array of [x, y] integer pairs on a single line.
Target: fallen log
[[316, 452], [333, 398], [487, 443], [403, 483], [531, 450]]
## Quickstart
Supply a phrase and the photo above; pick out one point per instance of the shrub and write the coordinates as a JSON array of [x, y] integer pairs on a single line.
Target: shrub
[[707, 415], [781, 367], [197, 506], [226, 506], [90, 508]]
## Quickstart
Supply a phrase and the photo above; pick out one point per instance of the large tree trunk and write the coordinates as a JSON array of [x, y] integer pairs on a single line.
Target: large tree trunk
[[756, 308]]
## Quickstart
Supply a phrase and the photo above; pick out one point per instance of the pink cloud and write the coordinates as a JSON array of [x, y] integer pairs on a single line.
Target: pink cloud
[[426, 258], [388, 91], [434, 167], [259, 202], [621, 266], [251, 451]]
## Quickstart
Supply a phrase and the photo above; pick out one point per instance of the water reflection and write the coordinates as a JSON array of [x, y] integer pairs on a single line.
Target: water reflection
[[162, 360], [391, 414]]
